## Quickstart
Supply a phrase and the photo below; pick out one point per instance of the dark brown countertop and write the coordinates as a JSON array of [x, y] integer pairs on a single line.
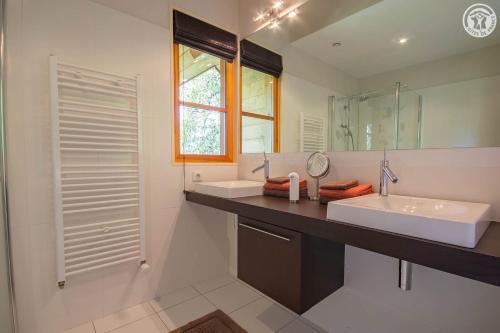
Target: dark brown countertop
[[481, 263]]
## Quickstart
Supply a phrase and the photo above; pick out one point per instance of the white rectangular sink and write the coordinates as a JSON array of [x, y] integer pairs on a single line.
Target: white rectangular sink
[[230, 189], [453, 222]]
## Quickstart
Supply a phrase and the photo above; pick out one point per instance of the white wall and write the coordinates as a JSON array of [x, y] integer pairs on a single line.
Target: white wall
[[371, 301], [158, 11], [461, 67], [461, 114], [299, 95], [185, 242]]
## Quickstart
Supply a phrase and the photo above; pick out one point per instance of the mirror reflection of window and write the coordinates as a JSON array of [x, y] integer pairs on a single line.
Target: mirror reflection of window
[[259, 116], [399, 81]]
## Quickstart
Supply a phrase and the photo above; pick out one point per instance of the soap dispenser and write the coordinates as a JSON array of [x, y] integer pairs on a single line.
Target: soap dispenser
[[294, 187]]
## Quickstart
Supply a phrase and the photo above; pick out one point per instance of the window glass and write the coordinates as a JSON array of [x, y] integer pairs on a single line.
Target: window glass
[[202, 131], [201, 110], [201, 77]]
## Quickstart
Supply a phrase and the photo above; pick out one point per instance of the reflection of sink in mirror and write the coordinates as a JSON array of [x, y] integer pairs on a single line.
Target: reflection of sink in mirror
[[230, 189], [452, 222], [373, 74]]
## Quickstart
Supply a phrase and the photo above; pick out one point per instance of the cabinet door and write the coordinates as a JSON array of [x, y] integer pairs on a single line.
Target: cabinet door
[[269, 259]]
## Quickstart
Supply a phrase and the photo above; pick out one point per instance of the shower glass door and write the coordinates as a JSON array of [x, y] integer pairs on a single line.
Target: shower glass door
[[6, 307], [375, 120], [6, 322]]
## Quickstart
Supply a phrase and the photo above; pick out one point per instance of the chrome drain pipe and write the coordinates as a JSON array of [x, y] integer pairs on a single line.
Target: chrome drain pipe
[[405, 275]]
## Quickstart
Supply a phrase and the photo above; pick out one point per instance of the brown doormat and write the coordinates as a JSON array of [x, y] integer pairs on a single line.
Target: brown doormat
[[215, 322]]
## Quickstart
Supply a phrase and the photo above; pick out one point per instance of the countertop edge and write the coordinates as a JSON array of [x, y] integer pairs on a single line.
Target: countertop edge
[[481, 263]]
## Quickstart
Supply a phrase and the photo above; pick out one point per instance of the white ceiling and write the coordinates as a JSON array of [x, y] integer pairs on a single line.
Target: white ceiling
[[242, 12], [370, 37], [153, 11]]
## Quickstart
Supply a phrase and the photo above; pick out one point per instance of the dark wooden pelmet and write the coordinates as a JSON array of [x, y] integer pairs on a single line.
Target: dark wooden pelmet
[[260, 58], [205, 37]]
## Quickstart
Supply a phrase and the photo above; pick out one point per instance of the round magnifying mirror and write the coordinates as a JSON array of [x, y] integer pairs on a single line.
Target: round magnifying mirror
[[318, 166]]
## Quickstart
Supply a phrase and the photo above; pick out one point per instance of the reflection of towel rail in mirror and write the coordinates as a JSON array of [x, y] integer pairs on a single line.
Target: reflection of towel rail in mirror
[[448, 96]]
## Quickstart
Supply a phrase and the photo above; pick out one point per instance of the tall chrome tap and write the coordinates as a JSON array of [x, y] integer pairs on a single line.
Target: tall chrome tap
[[386, 174], [264, 166]]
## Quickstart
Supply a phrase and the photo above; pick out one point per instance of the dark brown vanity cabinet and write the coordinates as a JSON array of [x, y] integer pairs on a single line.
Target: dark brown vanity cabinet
[[292, 268]]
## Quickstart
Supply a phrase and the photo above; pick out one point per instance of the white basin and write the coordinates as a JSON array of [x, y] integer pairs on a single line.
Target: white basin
[[230, 189], [453, 222]]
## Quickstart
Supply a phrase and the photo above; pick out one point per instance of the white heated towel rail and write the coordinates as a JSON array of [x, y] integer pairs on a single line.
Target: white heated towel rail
[[313, 133], [98, 178]]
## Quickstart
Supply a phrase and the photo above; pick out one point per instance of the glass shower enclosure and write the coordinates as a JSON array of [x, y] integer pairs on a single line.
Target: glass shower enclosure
[[388, 118], [6, 294]]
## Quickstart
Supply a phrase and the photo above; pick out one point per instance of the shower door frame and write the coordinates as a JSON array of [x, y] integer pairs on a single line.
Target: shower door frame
[[3, 174]]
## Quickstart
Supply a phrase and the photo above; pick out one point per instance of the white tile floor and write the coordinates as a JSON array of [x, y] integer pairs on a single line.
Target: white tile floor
[[250, 309]]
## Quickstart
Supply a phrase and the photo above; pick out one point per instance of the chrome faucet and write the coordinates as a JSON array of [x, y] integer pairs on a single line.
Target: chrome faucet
[[264, 166], [386, 174]]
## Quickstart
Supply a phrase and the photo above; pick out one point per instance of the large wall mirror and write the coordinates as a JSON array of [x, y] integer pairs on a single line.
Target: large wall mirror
[[361, 75]]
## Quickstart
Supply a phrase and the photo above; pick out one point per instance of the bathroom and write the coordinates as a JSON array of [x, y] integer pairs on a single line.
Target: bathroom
[[137, 136]]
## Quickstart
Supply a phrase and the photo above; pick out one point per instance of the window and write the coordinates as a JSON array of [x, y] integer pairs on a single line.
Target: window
[[259, 112], [203, 104]]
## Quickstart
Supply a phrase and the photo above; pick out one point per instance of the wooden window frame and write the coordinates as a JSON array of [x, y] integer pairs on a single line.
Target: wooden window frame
[[228, 109], [276, 113]]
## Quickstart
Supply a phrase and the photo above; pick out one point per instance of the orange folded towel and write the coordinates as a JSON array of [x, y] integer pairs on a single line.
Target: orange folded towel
[[285, 186], [339, 185], [278, 180], [356, 191]]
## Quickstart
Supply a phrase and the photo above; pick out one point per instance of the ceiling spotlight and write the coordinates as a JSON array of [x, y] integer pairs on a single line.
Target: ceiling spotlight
[[336, 44], [278, 4], [259, 17], [293, 13], [403, 40], [274, 25]]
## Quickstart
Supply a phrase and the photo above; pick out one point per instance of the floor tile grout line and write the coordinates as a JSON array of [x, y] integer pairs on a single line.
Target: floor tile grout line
[[260, 296], [229, 311], [309, 323], [286, 324], [251, 302], [255, 290], [206, 298], [295, 315], [150, 307], [171, 306], [302, 320], [132, 322], [164, 323], [222, 286], [124, 325], [161, 321], [114, 329]]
